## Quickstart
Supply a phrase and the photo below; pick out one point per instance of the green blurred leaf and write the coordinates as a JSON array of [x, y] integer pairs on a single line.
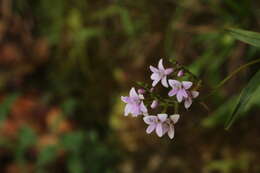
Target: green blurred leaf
[[6, 105], [245, 96], [73, 141], [252, 38], [68, 106], [219, 116], [47, 154], [27, 137]]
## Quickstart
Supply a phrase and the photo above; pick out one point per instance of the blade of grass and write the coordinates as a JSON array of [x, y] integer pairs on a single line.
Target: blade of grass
[[249, 37], [245, 96]]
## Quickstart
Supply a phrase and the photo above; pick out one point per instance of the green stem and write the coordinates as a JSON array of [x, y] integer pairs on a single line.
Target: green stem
[[176, 108], [231, 75]]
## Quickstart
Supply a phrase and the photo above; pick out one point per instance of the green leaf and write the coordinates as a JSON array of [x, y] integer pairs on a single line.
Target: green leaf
[[47, 155], [249, 37], [6, 106], [245, 96]]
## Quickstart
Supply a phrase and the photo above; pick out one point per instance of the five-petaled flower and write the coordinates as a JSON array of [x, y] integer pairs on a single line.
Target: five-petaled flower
[[162, 124], [160, 74], [188, 100], [134, 103], [179, 89]]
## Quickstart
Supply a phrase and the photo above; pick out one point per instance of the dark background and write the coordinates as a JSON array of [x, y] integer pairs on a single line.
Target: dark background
[[65, 63]]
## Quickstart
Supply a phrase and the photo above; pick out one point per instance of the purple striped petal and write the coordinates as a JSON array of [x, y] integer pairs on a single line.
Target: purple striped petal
[[159, 130], [153, 69], [133, 92], [194, 94], [155, 82], [150, 128], [187, 102], [171, 132], [160, 65], [164, 82], [173, 92], [162, 117], [175, 118], [186, 84], [174, 83], [125, 99], [151, 119], [168, 71]]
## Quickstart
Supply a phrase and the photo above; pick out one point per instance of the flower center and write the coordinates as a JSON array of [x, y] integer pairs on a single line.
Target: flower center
[[161, 73]]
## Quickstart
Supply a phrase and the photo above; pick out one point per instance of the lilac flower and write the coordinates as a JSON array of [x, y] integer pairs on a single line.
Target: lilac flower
[[154, 104], [179, 89], [180, 73], [188, 100], [141, 91], [134, 104], [161, 124], [160, 74], [171, 121]]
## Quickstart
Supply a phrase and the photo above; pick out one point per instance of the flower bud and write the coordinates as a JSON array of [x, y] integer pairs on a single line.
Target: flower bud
[[154, 104], [151, 90], [141, 91], [180, 73]]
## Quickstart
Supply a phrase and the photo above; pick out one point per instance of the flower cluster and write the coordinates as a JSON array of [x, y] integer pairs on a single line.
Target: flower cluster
[[181, 91]]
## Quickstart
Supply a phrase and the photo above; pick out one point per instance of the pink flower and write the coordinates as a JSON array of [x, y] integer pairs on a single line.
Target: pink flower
[[160, 74], [180, 73], [141, 91], [134, 104], [179, 89], [161, 124], [188, 100], [154, 104]]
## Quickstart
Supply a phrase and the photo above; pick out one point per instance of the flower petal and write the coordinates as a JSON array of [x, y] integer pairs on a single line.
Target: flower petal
[[143, 108], [194, 94], [153, 69], [186, 84], [187, 102], [168, 71], [135, 110], [151, 119], [174, 83], [160, 65], [125, 99], [181, 94], [164, 82], [165, 128], [184, 93], [150, 128], [171, 132], [175, 118], [133, 92], [159, 130], [127, 109], [155, 76], [155, 82], [162, 117], [173, 92]]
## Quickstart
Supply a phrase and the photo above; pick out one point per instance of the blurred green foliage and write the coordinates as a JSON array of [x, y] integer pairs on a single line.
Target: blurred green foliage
[[95, 50]]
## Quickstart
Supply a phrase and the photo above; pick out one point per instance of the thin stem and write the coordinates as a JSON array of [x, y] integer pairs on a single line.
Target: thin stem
[[231, 75], [176, 107]]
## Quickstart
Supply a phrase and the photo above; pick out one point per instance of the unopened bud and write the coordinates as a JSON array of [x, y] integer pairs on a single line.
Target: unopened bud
[[180, 73], [154, 104], [141, 91]]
